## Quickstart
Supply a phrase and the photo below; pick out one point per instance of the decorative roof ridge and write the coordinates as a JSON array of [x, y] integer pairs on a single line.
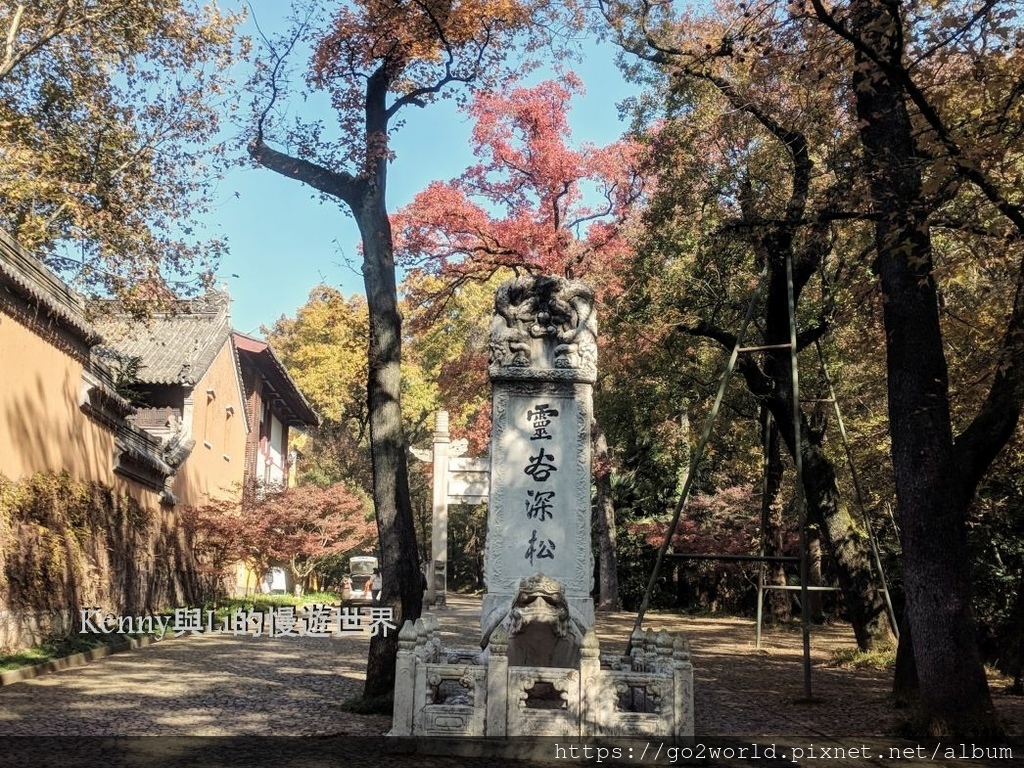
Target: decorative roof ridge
[[214, 302], [27, 276]]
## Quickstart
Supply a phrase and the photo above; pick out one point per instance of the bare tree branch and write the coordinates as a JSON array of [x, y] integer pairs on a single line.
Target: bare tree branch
[[337, 184]]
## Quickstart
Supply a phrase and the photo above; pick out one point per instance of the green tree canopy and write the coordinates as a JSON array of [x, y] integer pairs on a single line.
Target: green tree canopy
[[109, 112]]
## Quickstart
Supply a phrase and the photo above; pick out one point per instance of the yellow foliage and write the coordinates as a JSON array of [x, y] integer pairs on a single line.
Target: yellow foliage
[[324, 349], [106, 111]]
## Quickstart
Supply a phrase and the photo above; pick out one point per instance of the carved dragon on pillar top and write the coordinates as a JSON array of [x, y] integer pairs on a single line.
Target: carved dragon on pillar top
[[544, 327]]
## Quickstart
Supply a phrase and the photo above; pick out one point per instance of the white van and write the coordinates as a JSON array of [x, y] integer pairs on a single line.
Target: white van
[[361, 570]]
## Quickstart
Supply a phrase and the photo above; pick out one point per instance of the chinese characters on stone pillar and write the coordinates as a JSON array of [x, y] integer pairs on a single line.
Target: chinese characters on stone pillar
[[540, 466]]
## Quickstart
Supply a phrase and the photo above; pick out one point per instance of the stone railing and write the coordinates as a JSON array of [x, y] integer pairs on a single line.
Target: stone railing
[[464, 693]]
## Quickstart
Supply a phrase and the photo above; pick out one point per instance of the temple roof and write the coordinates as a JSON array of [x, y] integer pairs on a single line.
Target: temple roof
[[279, 387], [175, 347], [27, 276]]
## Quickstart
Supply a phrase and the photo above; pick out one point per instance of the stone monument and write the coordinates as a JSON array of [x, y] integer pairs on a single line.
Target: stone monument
[[540, 671], [543, 364]]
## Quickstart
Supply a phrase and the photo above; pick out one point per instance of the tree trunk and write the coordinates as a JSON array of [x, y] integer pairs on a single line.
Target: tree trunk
[[815, 605], [954, 694], [905, 692], [1017, 640], [847, 543], [400, 567], [773, 385], [608, 578], [844, 540], [399, 556], [365, 195]]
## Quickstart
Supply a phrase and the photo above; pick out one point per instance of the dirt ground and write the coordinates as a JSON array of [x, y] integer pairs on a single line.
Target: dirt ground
[[240, 700], [741, 690]]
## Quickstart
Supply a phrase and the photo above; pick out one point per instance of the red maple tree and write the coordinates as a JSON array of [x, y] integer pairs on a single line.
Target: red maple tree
[[301, 525], [532, 203], [296, 526]]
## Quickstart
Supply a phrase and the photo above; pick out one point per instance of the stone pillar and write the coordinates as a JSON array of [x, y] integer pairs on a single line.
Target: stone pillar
[[682, 689], [543, 363], [419, 683], [593, 692], [405, 682], [497, 684], [437, 578]]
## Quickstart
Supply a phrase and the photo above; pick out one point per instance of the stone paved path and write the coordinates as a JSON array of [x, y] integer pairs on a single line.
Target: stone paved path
[[242, 688]]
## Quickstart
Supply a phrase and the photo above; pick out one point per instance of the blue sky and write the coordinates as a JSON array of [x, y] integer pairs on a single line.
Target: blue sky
[[283, 241]]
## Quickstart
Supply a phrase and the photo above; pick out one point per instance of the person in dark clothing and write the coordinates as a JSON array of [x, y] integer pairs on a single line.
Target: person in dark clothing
[[376, 585]]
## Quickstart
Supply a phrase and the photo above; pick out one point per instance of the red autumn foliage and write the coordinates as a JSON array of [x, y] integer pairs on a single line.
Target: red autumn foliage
[[461, 380], [532, 203], [419, 49], [723, 523], [294, 526]]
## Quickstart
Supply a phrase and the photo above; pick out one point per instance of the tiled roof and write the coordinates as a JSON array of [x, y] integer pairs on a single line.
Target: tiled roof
[[28, 277], [174, 347], [281, 389]]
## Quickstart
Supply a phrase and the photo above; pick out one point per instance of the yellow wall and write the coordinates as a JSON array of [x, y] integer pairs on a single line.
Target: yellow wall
[[215, 469], [216, 466], [42, 427]]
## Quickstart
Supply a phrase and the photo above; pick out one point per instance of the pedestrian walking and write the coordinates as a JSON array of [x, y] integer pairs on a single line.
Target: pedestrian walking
[[376, 585]]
